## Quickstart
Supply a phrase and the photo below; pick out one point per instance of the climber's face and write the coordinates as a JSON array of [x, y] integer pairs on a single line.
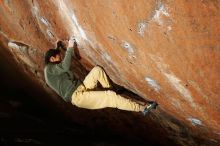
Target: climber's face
[[55, 59]]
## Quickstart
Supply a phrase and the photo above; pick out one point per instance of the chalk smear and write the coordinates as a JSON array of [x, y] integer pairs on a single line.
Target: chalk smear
[[195, 121], [81, 31], [44, 21], [153, 84], [106, 56], [50, 34], [72, 23], [158, 13], [141, 28], [176, 83], [173, 79], [35, 10], [13, 46], [129, 48], [169, 28]]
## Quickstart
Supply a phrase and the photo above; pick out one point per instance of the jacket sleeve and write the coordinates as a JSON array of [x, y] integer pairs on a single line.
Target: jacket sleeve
[[64, 66]]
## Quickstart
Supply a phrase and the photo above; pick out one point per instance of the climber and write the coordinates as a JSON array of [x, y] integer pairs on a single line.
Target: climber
[[59, 77]]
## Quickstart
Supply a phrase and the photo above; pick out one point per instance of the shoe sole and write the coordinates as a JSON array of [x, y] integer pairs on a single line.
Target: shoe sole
[[152, 106]]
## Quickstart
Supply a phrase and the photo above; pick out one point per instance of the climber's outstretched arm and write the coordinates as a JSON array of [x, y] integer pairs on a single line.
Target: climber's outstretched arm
[[66, 63]]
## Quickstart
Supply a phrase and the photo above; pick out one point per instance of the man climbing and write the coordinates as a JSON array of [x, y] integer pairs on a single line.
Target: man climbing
[[82, 94]]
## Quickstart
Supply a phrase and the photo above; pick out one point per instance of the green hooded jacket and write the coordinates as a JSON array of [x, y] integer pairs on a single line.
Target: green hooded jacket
[[60, 78]]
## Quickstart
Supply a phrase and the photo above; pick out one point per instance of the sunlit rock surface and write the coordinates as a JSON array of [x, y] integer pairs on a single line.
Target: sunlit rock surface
[[162, 50]]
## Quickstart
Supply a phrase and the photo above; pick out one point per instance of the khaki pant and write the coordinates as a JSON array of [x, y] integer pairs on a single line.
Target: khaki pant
[[85, 98]]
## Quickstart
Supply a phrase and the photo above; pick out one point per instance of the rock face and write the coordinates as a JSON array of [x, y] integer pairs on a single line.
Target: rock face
[[162, 50]]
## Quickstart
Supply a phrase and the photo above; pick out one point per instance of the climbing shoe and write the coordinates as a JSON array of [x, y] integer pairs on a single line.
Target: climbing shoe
[[152, 105]]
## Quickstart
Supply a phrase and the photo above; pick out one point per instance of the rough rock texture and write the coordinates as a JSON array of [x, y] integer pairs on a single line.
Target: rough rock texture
[[162, 50]]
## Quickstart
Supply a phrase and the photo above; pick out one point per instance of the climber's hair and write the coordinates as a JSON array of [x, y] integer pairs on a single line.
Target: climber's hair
[[50, 53]]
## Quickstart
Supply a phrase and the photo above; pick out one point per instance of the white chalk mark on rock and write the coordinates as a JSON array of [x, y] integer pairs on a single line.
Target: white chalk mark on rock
[[72, 21], [141, 28], [173, 80], [195, 121], [176, 83], [153, 84], [175, 102], [44, 21], [161, 11], [22, 52], [106, 56], [19, 48], [157, 17], [75, 28], [129, 48], [64, 11], [13, 46], [35, 10], [169, 28], [50, 34], [81, 31]]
